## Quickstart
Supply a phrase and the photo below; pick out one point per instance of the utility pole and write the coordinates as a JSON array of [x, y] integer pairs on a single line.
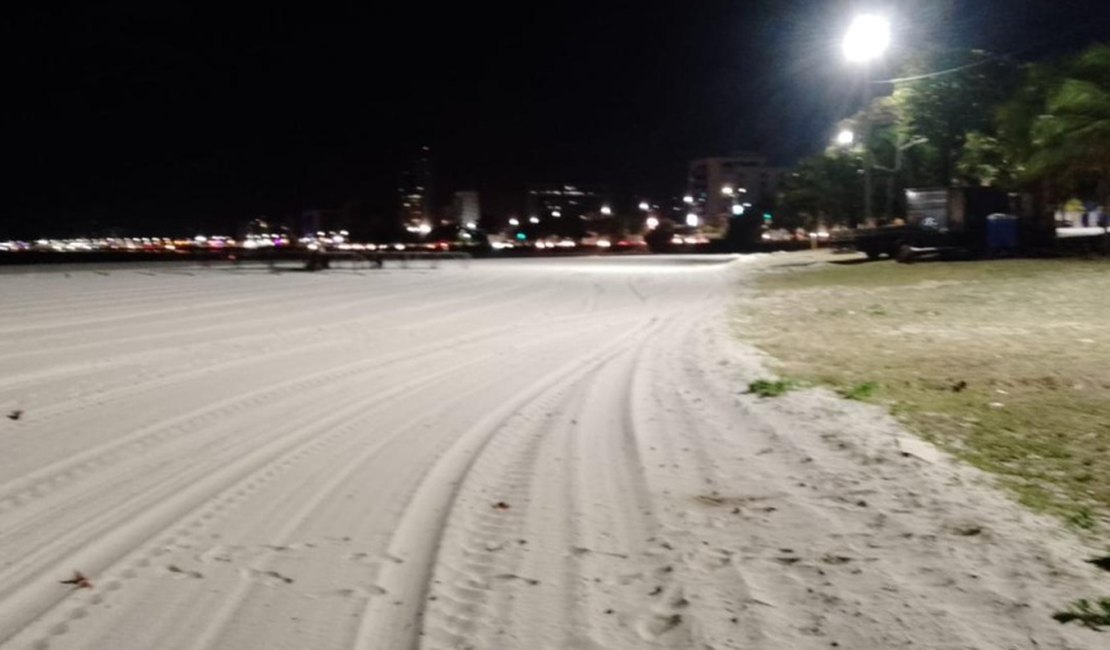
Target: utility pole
[[868, 213], [899, 156]]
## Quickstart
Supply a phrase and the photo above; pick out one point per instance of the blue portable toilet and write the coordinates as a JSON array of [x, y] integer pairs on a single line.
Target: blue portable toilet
[[1002, 233]]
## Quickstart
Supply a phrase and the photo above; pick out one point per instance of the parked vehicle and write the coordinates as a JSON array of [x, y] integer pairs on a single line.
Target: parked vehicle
[[970, 221]]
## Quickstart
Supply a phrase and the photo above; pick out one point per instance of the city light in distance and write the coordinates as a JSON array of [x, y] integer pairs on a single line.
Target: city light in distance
[[556, 214], [606, 210], [727, 190], [737, 210], [652, 223], [533, 220], [514, 221], [688, 200], [692, 219], [644, 206]]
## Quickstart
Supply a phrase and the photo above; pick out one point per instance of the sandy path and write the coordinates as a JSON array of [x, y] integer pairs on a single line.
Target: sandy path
[[509, 455]]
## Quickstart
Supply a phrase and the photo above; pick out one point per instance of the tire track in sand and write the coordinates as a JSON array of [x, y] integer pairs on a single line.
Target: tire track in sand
[[26, 595], [418, 536], [209, 509], [28, 487]]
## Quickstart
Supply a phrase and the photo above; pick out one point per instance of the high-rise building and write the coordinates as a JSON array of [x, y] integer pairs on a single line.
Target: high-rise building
[[720, 188], [415, 193], [466, 208]]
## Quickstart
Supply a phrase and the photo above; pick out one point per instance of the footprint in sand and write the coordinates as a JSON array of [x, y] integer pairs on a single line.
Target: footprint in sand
[[658, 625], [360, 592], [269, 577]]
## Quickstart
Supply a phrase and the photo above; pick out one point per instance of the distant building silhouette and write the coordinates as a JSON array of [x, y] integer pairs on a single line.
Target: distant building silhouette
[[466, 208], [716, 185], [565, 209], [414, 193]]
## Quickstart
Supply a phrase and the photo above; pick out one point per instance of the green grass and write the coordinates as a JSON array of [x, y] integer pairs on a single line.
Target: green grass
[[1094, 615], [1082, 518], [772, 387], [860, 392], [1002, 363]]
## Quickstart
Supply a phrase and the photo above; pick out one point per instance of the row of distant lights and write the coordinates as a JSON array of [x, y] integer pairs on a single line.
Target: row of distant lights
[[320, 240], [115, 243], [167, 243], [738, 209], [339, 239]]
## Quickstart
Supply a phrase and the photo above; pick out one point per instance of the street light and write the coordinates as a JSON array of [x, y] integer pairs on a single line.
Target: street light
[[606, 210], [688, 200], [867, 39], [692, 219], [644, 206], [726, 190]]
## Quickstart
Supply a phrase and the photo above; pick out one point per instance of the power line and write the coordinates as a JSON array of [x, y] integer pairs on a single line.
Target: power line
[[991, 57], [931, 75]]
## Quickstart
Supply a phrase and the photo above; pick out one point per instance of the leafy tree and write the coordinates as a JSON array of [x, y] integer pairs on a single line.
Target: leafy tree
[[1071, 140], [823, 188], [949, 95], [1015, 118], [984, 161]]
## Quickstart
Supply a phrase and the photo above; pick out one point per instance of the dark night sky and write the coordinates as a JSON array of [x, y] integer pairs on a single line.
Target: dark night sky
[[162, 116]]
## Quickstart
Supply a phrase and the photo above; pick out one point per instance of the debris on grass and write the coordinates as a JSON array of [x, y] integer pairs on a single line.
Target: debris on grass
[[501, 505], [772, 388], [15, 415], [1093, 615], [1101, 562]]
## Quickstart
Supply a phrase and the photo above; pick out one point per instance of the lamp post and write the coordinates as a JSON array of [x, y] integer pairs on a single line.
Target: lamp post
[[899, 156], [867, 39]]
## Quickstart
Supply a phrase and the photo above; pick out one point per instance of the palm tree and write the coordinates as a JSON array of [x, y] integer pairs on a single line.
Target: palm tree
[[1071, 142]]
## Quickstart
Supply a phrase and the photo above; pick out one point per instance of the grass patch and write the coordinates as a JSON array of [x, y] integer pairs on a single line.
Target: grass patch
[[1000, 362], [1082, 519], [860, 392], [772, 387], [1094, 615]]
